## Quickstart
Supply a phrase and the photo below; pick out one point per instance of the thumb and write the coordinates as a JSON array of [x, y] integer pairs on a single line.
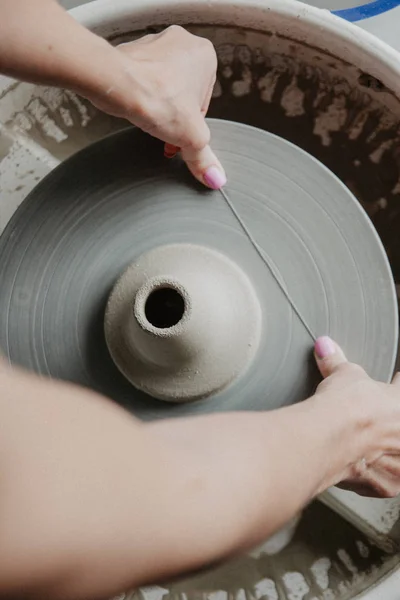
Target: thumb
[[329, 356], [197, 154], [205, 166]]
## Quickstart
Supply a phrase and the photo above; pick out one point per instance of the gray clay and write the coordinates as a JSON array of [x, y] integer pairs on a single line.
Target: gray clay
[[182, 323], [82, 227]]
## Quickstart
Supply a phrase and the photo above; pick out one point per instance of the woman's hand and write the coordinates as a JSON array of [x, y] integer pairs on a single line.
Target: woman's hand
[[377, 472], [161, 83], [165, 89], [117, 504]]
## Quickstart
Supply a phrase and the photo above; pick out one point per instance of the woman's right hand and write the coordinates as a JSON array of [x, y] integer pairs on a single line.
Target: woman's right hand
[[163, 84], [376, 470]]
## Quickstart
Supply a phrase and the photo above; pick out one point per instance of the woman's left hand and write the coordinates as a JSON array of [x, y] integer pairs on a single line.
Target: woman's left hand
[[377, 472]]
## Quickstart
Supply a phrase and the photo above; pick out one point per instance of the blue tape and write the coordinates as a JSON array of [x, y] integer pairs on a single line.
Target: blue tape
[[366, 11]]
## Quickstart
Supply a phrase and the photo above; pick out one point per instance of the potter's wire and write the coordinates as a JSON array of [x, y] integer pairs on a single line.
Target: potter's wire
[[267, 262]]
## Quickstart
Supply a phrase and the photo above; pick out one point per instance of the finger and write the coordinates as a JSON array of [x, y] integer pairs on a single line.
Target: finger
[[329, 356], [207, 100], [384, 485], [194, 140], [396, 379], [362, 489], [388, 463], [145, 39], [170, 150], [205, 166]]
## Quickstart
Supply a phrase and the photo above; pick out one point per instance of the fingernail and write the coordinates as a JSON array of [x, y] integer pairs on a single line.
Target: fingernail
[[324, 347], [215, 178], [170, 151]]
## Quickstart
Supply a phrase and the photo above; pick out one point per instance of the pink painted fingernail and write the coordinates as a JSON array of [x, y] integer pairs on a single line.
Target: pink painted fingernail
[[324, 347], [215, 178]]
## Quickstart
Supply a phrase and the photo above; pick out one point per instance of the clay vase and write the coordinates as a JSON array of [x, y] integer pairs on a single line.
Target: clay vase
[[309, 77], [182, 322]]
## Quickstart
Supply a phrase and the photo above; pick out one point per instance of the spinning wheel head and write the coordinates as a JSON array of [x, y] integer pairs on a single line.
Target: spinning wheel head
[[119, 259]]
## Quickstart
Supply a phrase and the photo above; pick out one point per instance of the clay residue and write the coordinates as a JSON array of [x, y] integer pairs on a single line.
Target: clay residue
[[350, 123], [322, 563], [5, 146], [56, 120], [344, 117], [329, 110]]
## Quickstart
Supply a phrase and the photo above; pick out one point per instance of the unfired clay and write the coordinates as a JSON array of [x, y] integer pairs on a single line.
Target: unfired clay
[[190, 343], [331, 89], [109, 206]]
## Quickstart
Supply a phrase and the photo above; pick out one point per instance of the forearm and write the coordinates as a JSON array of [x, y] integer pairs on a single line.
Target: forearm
[[93, 502], [41, 43], [252, 472]]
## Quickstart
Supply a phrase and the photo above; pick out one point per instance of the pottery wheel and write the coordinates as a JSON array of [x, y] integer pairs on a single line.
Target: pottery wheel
[[102, 214]]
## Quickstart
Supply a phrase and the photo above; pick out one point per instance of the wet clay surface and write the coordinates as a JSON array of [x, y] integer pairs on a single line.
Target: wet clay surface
[[119, 200], [348, 121], [344, 117]]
